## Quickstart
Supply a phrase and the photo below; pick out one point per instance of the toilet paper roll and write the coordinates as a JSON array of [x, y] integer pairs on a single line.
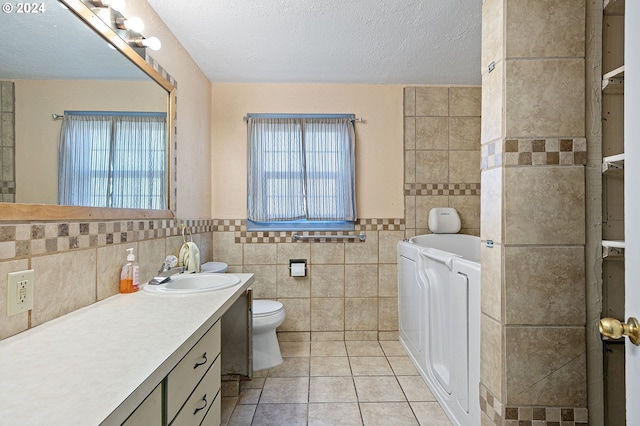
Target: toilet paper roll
[[298, 269]]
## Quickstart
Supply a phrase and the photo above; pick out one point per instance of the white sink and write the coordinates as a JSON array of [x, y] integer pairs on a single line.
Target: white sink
[[193, 283]]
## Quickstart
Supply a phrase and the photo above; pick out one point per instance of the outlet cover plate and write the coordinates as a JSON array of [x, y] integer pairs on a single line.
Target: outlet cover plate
[[20, 291]]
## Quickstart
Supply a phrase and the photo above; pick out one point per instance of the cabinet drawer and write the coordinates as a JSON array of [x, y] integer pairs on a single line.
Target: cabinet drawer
[[214, 415], [149, 412], [200, 402], [184, 377]]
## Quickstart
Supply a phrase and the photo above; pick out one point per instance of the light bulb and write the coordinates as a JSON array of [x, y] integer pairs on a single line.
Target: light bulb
[[133, 24], [152, 43]]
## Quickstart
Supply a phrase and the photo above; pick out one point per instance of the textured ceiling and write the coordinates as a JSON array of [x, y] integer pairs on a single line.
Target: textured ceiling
[[330, 41], [58, 45]]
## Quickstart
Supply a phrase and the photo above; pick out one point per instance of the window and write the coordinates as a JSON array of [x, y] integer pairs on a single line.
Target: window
[[301, 172], [113, 160]]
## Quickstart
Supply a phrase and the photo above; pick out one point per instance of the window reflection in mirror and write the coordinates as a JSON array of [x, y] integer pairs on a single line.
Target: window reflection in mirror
[[52, 62]]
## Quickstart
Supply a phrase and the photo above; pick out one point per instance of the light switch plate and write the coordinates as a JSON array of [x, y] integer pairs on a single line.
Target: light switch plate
[[20, 291]]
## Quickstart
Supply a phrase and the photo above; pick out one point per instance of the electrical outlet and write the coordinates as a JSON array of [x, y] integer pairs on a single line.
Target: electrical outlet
[[20, 291]]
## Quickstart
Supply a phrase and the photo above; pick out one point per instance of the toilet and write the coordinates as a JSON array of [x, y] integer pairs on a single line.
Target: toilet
[[267, 316], [214, 267]]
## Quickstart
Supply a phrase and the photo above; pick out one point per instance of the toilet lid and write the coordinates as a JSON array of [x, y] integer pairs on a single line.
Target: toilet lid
[[265, 307]]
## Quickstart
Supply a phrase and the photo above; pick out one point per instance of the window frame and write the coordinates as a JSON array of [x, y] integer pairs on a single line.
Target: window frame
[[114, 150], [300, 224]]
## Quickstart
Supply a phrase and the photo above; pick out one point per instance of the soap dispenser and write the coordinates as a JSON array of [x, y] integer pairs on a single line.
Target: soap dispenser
[[130, 275]]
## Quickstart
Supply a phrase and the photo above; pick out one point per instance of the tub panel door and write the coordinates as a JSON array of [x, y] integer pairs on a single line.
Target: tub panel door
[[440, 326], [411, 294], [460, 341]]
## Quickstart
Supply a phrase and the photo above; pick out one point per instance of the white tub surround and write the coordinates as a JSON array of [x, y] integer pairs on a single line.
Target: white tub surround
[[97, 364]]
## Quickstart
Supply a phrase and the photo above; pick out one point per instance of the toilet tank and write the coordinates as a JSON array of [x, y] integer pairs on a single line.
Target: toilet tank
[[444, 220]]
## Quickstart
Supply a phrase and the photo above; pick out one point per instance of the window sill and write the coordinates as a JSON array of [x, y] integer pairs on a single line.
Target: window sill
[[299, 226]]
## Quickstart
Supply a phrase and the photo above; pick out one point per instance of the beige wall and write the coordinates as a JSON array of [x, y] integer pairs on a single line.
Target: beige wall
[[37, 133], [379, 138]]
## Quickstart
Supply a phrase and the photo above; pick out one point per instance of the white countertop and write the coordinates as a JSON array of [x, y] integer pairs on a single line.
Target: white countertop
[[80, 368]]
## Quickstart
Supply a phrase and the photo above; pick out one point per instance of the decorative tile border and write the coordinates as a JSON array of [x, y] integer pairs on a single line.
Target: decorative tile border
[[39, 238], [7, 187], [173, 133], [530, 416], [7, 141], [550, 416], [242, 236], [156, 66], [32, 239], [491, 155], [490, 405], [229, 225], [535, 152], [442, 189]]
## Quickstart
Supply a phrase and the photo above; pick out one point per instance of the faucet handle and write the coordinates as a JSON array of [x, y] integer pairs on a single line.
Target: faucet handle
[[170, 262]]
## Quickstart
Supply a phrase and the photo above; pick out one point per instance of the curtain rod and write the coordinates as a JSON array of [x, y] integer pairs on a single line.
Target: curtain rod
[[358, 119]]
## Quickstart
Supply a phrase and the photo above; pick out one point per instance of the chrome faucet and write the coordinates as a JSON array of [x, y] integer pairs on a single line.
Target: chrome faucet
[[167, 269]]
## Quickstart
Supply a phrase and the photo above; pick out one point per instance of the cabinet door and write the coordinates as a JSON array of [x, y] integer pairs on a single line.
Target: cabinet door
[[237, 351], [149, 413]]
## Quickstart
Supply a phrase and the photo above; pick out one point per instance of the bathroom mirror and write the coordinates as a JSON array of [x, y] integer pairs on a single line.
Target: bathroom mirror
[[64, 58]]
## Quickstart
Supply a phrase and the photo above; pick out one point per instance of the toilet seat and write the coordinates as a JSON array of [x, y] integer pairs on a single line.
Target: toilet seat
[[265, 308]]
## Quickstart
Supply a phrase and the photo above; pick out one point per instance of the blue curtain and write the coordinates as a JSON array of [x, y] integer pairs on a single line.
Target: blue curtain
[[301, 168], [113, 160]]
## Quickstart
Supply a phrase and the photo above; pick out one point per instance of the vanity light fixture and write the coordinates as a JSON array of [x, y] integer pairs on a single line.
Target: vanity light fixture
[[118, 5], [152, 43], [134, 24], [128, 29]]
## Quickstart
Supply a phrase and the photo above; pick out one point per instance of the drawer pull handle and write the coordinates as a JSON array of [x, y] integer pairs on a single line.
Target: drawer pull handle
[[198, 364], [204, 398]]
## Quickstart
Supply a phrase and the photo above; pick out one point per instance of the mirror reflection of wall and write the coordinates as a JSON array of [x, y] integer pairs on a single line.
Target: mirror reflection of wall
[[54, 62], [37, 132], [7, 143]]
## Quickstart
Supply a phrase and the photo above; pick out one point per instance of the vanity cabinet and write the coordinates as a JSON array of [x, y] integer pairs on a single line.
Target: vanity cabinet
[[194, 383], [171, 376], [149, 412], [191, 389], [191, 393], [203, 401]]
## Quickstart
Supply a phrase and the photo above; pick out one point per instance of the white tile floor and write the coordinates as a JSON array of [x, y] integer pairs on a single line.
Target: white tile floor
[[336, 383]]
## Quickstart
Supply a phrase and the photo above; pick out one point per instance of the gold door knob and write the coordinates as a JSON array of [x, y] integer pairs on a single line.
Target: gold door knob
[[614, 329]]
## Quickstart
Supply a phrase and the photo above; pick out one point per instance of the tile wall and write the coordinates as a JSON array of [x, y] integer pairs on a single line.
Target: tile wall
[[442, 155], [78, 263], [534, 150], [7, 142], [350, 291]]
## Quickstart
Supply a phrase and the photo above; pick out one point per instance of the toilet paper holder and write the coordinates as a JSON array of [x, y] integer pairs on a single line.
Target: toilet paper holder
[[298, 267]]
